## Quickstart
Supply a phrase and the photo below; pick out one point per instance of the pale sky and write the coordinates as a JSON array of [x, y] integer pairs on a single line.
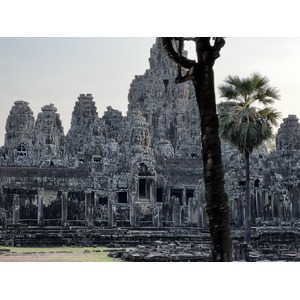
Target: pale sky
[[56, 70]]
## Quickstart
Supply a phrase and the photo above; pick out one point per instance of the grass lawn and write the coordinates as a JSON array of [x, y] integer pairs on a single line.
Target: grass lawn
[[55, 254]]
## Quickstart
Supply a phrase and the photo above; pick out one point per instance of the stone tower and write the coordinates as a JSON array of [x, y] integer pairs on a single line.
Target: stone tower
[[49, 139], [114, 124], [19, 134], [137, 132], [170, 109], [84, 139], [288, 137]]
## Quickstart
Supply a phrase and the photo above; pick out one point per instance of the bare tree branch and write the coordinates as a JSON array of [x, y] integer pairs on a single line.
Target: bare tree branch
[[179, 59], [185, 38], [180, 48], [186, 77], [219, 43]]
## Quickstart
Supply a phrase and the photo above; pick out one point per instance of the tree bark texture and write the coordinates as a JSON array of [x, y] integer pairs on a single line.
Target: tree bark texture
[[247, 233], [217, 209]]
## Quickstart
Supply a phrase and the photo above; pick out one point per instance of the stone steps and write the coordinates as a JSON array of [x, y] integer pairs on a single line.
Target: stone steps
[[85, 237]]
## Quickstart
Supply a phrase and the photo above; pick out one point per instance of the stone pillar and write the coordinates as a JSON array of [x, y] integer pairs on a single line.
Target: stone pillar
[[151, 192], [201, 217], [88, 209], [154, 191], [157, 216], [275, 203], [297, 203], [109, 212], [64, 208], [1, 195], [112, 209], [133, 209], [294, 201], [176, 211], [40, 220], [194, 211], [16, 209], [168, 193], [184, 196], [258, 203]]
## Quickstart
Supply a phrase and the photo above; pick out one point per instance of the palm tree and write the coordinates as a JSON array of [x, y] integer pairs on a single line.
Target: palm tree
[[246, 120]]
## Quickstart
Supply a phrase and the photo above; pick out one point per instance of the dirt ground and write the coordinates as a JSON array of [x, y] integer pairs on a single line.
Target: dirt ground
[[11, 254]]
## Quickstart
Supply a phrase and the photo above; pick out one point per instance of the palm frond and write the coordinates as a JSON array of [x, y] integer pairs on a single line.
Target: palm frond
[[259, 81], [227, 91], [272, 92], [240, 122], [227, 106]]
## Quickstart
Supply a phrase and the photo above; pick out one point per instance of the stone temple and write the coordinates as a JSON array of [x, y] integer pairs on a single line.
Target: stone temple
[[139, 170]]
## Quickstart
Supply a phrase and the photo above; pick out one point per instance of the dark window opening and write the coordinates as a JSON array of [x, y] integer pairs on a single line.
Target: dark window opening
[[49, 141], [154, 120], [144, 171], [173, 132], [159, 194], [96, 159], [103, 201], [194, 155], [178, 194], [166, 82], [122, 197], [189, 194], [142, 187], [242, 183], [22, 150]]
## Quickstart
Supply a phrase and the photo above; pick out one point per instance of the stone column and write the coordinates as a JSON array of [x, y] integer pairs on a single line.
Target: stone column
[[294, 201], [16, 209], [109, 212], [168, 193], [297, 203], [64, 208], [40, 220], [201, 217], [176, 211], [112, 209], [258, 203], [1, 195], [194, 211], [151, 191], [184, 196], [154, 191], [133, 209], [88, 209]]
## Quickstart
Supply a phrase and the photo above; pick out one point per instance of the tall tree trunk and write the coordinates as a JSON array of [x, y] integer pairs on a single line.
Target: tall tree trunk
[[247, 233], [217, 208], [201, 73]]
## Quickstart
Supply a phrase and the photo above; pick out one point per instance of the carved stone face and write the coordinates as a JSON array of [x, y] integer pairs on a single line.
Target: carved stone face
[[22, 125], [138, 139]]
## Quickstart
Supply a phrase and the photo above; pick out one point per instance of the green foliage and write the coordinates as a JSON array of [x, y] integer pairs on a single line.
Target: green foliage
[[242, 123]]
